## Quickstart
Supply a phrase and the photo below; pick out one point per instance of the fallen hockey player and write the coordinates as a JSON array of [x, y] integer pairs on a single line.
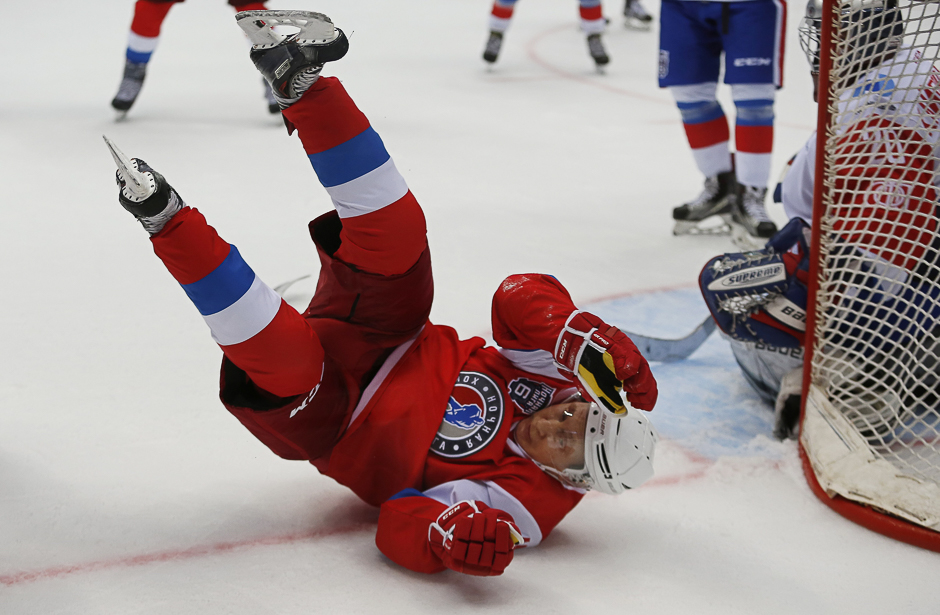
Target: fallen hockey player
[[470, 451]]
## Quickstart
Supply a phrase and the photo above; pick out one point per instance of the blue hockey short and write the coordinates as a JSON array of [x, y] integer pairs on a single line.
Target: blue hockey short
[[694, 34]]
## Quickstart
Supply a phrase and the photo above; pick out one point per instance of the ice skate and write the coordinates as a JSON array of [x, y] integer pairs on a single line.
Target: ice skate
[[133, 80], [493, 45], [144, 192], [291, 63], [636, 15], [596, 49], [709, 213], [751, 227]]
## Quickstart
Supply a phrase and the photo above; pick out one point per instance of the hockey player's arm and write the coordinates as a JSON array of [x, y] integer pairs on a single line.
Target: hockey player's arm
[[535, 312], [426, 535]]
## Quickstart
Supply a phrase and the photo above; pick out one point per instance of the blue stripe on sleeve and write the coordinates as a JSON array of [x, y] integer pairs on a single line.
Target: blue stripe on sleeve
[[363, 153], [407, 493], [223, 287], [138, 56]]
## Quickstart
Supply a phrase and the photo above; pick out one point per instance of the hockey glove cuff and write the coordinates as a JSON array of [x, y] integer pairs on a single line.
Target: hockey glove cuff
[[472, 538], [603, 362]]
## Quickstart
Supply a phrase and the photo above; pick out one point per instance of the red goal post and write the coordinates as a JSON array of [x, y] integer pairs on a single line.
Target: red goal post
[[870, 421]]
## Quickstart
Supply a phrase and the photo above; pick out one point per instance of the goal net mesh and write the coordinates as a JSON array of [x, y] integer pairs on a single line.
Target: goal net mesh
[[871, 423]]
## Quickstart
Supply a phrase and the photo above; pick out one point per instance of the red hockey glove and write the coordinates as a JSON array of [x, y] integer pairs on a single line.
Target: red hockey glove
[[472, 538], [604, 362]]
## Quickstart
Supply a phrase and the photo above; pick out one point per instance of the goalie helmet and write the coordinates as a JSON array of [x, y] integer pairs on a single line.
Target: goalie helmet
[[618, 452], [870, 29]]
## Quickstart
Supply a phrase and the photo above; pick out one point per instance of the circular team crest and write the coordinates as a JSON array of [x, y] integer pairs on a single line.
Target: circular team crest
[[473, 416]]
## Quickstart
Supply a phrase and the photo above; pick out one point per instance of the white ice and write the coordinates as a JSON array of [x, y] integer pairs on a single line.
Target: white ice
[[125, 487]]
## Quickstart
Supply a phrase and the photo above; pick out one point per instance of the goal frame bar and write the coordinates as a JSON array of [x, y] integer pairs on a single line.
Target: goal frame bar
[[867, 517]]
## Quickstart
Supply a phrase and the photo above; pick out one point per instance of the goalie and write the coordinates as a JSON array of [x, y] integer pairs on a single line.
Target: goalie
[[886, 225], [470, 451]]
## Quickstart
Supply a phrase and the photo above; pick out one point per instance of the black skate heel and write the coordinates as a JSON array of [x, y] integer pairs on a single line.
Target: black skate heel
[[292, 63]]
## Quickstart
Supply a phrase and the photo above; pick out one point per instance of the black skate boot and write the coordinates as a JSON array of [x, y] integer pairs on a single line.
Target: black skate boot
[[493, 45], [751, 227], [715, 200], [144, 192], [134, 73], [636, 15], [291, 64], [596, 49]]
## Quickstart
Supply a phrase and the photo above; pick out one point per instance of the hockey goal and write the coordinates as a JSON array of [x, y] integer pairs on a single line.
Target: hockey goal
[[870, 423]]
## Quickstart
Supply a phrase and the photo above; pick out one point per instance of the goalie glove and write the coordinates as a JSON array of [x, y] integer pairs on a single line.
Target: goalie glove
[[760, 296], [472, 538], [603, 362]]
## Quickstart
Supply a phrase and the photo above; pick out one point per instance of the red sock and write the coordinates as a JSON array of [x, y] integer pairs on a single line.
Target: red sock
[[148, 17]]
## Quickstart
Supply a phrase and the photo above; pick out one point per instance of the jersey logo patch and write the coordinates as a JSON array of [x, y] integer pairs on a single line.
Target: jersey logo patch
[[530, 395], [472, 419]]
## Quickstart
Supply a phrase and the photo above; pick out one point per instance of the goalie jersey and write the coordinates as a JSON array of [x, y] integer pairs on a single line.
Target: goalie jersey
[[888, 126]]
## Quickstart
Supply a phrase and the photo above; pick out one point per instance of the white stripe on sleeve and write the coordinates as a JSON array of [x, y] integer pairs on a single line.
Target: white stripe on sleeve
[[370, 192], [246, 317], [539, 362]]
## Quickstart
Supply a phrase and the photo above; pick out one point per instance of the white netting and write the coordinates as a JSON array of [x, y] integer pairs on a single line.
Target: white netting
[[876, 346]]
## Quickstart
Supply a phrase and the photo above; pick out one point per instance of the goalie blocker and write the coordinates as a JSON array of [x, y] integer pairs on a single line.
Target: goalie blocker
[[760, 296]]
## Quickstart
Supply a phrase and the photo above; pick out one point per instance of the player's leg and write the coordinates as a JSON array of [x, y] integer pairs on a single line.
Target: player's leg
[[689, 65], [141, 43], [754, 46], [274, 362], [500, 18], [593, 25], [382, 226], [375, 267]]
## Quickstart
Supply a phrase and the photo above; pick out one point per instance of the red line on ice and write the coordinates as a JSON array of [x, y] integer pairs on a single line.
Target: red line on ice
[[28, 576]]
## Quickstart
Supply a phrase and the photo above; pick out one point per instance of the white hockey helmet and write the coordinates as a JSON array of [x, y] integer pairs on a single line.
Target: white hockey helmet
[[618, 452]]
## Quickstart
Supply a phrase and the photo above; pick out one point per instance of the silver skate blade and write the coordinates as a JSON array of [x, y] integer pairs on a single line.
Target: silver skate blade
[[744, 241], [710, 227], [632, 23], [135, 182], [314, 28]]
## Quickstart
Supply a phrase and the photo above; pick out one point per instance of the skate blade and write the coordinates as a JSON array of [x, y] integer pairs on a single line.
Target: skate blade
[[313, 28], [137, 186], [709, 226], [744, 241], [632, 23]]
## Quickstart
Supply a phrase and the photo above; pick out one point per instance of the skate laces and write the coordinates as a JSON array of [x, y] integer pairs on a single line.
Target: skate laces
[[595, 46], [753, 201], [132, 82], [299, 85], [709, 192], [494, 43], [635, 9], [155, 224]]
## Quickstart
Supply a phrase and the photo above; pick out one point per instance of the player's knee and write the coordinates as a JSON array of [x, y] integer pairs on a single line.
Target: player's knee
[[700, 112]]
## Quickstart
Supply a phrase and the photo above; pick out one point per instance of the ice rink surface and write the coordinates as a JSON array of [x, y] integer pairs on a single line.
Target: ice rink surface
[[126, 488]]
